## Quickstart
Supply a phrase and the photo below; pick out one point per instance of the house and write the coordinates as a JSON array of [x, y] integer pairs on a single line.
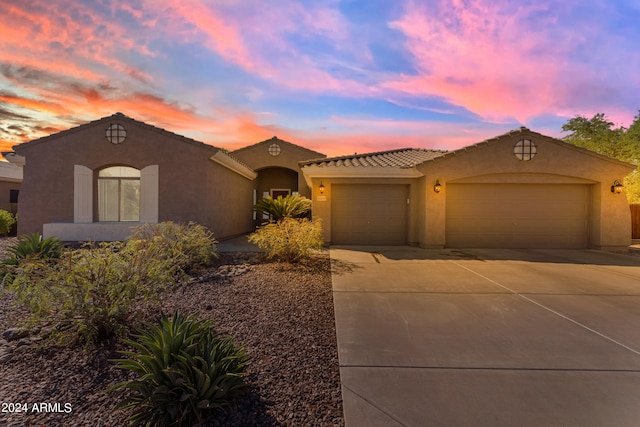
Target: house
[[10, 181], [95, 181], [518, 190]]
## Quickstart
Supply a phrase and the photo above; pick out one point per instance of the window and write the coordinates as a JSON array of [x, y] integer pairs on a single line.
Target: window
[[119, 194], [116, 133], [277, 192], [274, 149], [13, 196], [525, 150]]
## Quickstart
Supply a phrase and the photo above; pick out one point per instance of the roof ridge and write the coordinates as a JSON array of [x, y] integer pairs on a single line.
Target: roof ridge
[[274, 139], [119, 116], [371, 154], [524, 129]]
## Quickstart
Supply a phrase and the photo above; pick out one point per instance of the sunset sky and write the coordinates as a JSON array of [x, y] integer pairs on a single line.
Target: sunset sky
[[334, 76]]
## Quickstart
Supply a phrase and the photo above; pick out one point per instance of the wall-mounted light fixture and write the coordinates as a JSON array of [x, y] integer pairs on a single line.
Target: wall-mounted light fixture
[[321, 188], [617, 187], [437, 187]]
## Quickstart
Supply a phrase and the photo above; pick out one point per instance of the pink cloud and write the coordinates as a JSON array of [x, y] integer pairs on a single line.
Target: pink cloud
[[218, 32], [482, 56], [42, 34], [255, 35]]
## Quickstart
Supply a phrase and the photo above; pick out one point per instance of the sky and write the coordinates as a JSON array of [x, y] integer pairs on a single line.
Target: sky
[[335, 76]]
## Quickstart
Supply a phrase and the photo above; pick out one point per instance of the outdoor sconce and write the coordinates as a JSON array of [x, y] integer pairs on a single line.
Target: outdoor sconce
[[437, 187], [321, 188], [616, 188]]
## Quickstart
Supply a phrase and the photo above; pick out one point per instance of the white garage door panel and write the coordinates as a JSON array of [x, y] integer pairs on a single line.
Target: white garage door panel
[[369, 214], [517, 215]]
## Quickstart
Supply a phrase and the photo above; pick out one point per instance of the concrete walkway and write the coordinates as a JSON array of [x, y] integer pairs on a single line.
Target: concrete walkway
[[487, 337], [237, 244]]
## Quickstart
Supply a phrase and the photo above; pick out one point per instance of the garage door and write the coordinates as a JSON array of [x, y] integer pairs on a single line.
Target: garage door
[[517, 215], [369, 214]]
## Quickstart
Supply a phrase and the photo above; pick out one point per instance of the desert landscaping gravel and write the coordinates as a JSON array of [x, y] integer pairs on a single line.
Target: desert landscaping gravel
[[282, 314]]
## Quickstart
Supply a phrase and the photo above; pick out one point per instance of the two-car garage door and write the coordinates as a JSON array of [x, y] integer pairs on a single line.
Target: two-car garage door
[[369, 214], [477, 215], [517, 215]]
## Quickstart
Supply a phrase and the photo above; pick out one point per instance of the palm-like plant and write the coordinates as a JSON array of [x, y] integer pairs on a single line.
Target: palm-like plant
[[291, 206], [31, 246], [184, 368]]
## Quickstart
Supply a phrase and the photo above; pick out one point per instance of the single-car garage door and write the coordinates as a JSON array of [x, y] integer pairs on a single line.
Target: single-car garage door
[[363, 214], [517, 215]]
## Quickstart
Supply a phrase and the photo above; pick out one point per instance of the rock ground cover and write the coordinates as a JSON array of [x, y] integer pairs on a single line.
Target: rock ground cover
[[281, 314]]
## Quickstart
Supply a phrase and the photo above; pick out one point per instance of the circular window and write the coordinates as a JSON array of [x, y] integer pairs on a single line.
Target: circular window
[[116, 133], [525, 149], [274, 149]]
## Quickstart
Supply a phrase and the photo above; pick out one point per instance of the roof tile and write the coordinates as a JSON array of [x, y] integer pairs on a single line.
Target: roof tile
[[404, 157]]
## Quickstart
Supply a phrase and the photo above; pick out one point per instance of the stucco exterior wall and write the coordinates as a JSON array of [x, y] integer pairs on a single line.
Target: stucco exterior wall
[[257, 157], [5, 190], [554, 163], [229, 202], [190, 184]]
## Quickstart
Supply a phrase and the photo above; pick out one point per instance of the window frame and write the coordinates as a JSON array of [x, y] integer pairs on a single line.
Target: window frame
[[119, 180]]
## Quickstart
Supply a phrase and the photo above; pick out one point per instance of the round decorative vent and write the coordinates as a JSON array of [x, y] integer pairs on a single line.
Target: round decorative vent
[[116, 133], [274, 149], [525, 149]]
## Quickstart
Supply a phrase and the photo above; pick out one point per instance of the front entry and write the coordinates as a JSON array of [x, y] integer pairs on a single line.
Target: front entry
[[274, 182], [279, 192]]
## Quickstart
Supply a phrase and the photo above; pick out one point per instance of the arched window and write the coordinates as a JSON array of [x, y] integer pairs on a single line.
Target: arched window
[[119, 194]]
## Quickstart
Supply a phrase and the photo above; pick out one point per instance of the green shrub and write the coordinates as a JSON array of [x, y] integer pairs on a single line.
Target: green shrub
[[290, 239], [7, 220], [89, 293], [184, 245], [291, 206], [183, 369]]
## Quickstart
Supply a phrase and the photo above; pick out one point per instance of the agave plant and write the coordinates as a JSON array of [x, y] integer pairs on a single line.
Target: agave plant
[[183, 369], [33, 245], [291, 206], [29, 246]]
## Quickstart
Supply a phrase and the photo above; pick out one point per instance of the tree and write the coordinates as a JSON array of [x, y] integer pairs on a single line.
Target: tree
[[598, 134]]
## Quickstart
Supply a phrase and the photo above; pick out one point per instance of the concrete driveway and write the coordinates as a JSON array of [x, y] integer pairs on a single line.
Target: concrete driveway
[[487, 337]]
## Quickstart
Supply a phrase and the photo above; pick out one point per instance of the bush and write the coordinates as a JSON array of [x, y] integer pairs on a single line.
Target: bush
[[88, 293], [291, 206], [183, 369], [290, 239], [7, 221], [185, 245]]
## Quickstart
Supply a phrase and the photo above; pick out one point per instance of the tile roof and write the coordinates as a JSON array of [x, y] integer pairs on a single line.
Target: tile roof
[[403, 158]]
